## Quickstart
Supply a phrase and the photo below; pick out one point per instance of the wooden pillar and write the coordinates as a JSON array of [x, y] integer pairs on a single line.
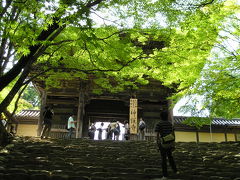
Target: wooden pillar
[[225, 135], [80, 114], [43, 105], [197, 136]]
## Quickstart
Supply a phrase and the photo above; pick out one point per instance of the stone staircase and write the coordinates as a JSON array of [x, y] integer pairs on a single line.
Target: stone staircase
[[83, 159]]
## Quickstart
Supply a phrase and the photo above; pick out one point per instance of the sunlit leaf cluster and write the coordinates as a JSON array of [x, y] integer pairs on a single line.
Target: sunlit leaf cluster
[[120, 44], [219, 85]]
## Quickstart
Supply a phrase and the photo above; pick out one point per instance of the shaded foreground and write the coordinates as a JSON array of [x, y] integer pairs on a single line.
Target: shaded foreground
[[82, 159]]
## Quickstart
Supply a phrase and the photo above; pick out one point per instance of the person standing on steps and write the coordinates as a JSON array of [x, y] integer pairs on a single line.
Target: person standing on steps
[[142, 126], [126, 130], [110, 130], [71, 126], [116, 131], [47, 122], [100, 131], [164, 128], [91, 131], [108, 133]]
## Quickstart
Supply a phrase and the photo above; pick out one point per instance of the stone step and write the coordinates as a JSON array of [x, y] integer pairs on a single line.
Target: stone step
[[32, 158]]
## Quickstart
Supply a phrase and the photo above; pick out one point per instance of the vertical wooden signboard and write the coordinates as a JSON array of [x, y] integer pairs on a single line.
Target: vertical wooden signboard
[[133, 116]]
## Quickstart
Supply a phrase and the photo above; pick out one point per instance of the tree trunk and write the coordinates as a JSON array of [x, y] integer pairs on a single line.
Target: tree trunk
[[14, 90], [25, 60], [4, 136], [25, 63], [43, 36], [27, 67]]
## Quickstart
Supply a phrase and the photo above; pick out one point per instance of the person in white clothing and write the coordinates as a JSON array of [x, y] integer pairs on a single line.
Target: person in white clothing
[[71, 126], [100, 131], [142, 126], [127, 130]]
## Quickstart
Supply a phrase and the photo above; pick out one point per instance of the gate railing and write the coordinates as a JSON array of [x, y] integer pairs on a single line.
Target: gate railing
[[150, 135], [59, 131]]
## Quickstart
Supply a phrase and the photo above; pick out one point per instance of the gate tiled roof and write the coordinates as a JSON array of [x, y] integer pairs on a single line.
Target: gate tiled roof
[[215, 121], [28, 116], [29, 113]]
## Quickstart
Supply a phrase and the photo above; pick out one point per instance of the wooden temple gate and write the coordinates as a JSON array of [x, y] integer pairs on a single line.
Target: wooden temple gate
[[74, 97]]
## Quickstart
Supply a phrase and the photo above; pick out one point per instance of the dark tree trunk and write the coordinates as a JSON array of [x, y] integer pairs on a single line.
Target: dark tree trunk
[[25, 60], [4, 136], [44, 35], [24, 64], [14, 90]]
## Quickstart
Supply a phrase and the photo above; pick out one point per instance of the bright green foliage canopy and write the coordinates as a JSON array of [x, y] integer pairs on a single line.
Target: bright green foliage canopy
[[106, 40], [218, 89], [111, 52]]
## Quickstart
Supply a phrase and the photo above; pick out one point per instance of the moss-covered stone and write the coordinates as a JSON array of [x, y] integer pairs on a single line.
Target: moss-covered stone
[[32, 158]]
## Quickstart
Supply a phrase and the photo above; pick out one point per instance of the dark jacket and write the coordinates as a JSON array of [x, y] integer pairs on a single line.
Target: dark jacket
[[164, 128], [47, 116]]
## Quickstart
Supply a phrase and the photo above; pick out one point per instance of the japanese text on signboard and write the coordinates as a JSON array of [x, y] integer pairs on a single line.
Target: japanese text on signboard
[[133, 116]]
